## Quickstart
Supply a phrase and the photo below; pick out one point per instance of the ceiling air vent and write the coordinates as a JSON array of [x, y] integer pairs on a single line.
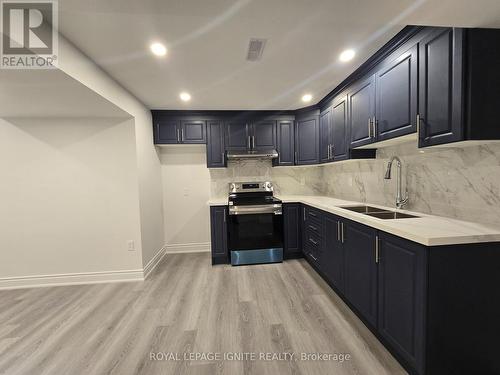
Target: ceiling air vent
[[255, 49]]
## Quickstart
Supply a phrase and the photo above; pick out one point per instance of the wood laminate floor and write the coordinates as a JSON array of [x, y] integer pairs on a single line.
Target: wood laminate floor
[[188, 306]]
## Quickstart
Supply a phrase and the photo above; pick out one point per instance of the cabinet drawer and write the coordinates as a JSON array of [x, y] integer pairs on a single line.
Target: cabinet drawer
[[312, 239], [312, 216]]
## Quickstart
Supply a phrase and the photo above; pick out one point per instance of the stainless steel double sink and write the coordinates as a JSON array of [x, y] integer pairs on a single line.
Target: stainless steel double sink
[[379, 213]]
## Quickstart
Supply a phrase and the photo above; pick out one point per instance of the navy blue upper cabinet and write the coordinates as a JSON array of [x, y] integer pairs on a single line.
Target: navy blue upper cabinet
[[173, 130], [216, 156], [285, 143], [263, 135], [307, 139], [360, 275], [440, 106], [166, 130], [237, 135], [396, 98], [340, 147], [361, 105], [402, 297], [325, 136], [193, 131]]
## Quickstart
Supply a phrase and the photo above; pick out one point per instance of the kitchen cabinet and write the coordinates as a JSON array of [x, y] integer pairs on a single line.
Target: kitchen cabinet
[[459, 80], [193, 132], [339, 129], [292, 230], [263, 135], [440, 107], [361, 106], [237, 135], [332, 263], [360, 270], [218, 231], [166, 131], [172, 130], [397, 96], [325, 135], [246, 135], [307, 138], [312, 234], [216, 156], [285, 143], [402, 277]]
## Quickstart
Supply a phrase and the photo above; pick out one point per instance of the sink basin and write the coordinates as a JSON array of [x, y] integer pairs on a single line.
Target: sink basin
[[391, 215], [364, 209]]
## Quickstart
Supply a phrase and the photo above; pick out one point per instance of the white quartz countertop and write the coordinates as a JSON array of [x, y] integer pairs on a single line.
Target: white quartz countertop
[[427, 230], [217, 201]]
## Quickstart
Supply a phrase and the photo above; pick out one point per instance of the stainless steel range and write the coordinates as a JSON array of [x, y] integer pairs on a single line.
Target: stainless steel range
[[255, 224]]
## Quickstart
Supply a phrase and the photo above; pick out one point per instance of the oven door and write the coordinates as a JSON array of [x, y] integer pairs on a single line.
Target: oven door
[[256, 237]]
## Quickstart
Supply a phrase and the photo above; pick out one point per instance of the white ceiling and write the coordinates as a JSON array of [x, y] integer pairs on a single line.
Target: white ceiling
[[50, 93], [207, 41]]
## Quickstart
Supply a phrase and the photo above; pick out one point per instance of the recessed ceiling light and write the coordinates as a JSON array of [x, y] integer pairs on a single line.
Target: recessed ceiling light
[[158, 49], [307, 98], [185, 97], [347, 55]]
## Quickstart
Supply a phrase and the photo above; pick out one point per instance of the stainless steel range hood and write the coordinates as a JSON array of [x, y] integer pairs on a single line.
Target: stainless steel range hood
[[254, 154]]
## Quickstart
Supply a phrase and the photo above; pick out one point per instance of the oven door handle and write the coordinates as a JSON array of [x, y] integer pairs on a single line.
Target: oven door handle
[[256, 209]]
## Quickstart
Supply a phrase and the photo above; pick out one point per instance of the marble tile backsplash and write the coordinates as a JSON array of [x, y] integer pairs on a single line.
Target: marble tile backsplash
[[462, 183]]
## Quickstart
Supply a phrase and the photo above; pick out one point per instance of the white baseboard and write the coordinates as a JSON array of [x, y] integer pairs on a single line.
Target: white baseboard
[[201, 247], [154, 261], [71, 279]]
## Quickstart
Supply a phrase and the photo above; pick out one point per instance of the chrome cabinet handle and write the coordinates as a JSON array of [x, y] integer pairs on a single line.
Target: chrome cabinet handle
[[312, 256], [342, 226], [224, 215], [313, 242], [374, 124], [253, 141], [182, 134], [304, 211], [313, 228], [249, 145], [338, 230], [377, 252], [178, 135], [420, 129], [369, 127], [296, 162], [331, 152]]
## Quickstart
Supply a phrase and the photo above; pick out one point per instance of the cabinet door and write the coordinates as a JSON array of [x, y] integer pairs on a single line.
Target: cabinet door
[[332, 261], [360, 269], [292, 231], [396, 99], [440, 104], [339, 129], [167, 131], [264, 135], [218, 229], [401, 295], [216, 156], [286, 143], [237, 136], [307, 141], [361, 112], [193, 131], [325, 136]]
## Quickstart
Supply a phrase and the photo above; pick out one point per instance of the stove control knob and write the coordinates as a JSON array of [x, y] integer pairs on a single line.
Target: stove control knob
[[269, 185], [233, 187]]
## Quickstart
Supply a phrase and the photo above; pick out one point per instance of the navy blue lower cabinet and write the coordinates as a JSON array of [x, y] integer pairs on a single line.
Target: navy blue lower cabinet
[[292, 231], [218, 231], [332, 263], [360, 272], [402, 282]]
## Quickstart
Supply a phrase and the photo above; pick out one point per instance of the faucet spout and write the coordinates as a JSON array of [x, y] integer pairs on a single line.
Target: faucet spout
[[400, 201]]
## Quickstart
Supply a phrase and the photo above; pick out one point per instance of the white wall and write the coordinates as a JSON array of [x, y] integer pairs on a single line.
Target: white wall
[[78, 66], [68, 197], [186, 190]]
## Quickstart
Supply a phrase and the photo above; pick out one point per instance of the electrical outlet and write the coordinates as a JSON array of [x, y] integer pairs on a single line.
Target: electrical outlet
[[131, 245]]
